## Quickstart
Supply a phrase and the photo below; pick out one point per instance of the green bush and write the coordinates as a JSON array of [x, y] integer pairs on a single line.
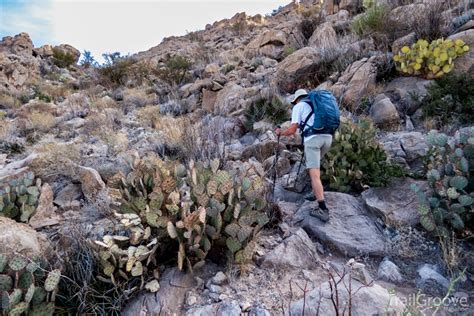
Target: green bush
[[116, 69], [374, 19], [175, 69], [274, 111], [450, 204], [169, 209], [25, 288], [356, 160], [62, 59], [450, 99]]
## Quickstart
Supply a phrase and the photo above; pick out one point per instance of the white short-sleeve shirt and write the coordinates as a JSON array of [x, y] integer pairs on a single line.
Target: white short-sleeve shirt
[[299, 113]]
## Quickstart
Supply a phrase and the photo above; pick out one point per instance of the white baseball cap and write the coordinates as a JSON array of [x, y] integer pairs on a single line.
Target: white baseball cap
[[298, 93]]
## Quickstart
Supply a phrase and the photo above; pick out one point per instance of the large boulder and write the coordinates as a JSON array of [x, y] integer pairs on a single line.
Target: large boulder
[[68, 50], [465, 63], [234, 98], [92, 185], [407, 92], [408, 15], [351, 228], [19, 44], [169, 300], [296, 251], [324, 37], [383, 112], [365, 300], [296, 67], [17, 70], [350, 5], [396, 203], [357, 81], [21, 238], [270, 43], [45, 214]]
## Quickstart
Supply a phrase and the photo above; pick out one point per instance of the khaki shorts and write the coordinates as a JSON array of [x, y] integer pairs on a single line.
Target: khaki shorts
[[315, 148]]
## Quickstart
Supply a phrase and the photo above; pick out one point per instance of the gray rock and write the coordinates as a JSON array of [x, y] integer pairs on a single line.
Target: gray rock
[[296, 251], [169, 300], [369, 300], [92, 185], [45, 214], [226, 308], [464, 64], [67, 195], [396, 203], [388, 271], [297, 180], [219, 279], [407, 92], [383, 111], [406, 40], [406, 148], [431, 281], [324, 36], [259, 311], [350, 229], [215, 288]]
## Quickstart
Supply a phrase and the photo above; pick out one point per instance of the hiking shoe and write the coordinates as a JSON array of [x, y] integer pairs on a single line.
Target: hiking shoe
[[323, 215], [310, 197]]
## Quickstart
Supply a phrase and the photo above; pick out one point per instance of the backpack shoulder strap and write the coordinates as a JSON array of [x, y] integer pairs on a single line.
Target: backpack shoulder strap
[[306, 120]]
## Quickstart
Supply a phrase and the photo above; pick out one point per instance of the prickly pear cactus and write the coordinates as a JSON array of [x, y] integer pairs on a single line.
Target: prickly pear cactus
[[356, 160], [431, 60], [166, 206], [20, 287], [450, 177], [19, 197]]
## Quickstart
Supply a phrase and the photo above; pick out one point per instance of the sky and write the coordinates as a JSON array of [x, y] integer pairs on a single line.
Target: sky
[[127, 26]]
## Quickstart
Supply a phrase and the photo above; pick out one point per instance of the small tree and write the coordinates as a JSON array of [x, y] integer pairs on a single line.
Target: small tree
[[88, 60]]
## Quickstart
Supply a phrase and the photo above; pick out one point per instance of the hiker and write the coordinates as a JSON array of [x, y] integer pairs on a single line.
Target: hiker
[[316, 145]]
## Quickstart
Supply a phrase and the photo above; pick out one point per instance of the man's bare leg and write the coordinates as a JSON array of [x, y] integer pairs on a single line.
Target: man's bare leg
[[315, 175]]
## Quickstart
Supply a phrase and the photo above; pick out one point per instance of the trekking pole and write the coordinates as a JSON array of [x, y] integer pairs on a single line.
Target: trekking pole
[[275, 163]]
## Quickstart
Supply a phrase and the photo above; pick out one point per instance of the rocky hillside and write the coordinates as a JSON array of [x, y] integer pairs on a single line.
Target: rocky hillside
[[148, 182]]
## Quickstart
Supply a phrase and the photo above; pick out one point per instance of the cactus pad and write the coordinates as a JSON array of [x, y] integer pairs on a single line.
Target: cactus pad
[[44, 309], [52, 280], [6, 282], [17, 263], [26, 280]]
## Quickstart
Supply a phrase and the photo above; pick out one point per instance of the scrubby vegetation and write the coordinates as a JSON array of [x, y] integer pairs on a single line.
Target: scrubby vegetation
[[62, 59], [451, 100], [356, 159], [274, 111], [174, 70]]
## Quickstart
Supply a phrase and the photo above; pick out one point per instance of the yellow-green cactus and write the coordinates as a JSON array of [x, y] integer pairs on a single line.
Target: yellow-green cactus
[[430, 60]]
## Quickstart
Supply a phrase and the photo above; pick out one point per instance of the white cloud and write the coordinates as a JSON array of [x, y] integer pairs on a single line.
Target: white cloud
[[132, 26]]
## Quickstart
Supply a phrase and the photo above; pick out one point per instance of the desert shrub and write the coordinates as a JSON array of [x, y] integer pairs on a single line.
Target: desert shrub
[[25, 287], [227, 68], [205, 139], [274, 110], [174, 70], [88, 60], [356, 159], [373, 20], [431, 26], [9, 101], [450, 177], [62, 59], [81, 291], [115, 69], [430, 60], [171, 212], [450, 99], [288, 51]]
